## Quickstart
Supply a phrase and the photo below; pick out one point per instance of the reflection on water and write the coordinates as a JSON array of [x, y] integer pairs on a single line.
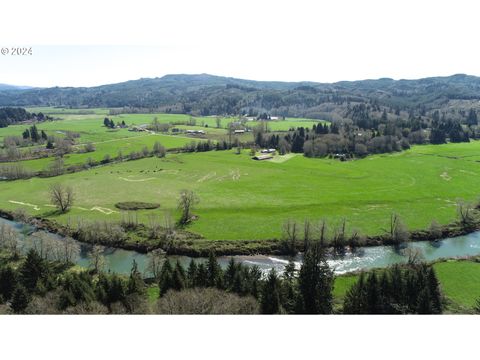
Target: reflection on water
[[120, 261]]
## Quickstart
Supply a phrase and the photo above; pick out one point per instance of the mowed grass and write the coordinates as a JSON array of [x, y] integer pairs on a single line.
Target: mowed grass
[[242, 199]]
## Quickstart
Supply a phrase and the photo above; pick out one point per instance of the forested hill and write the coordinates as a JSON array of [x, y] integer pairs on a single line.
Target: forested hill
[[207, 94]]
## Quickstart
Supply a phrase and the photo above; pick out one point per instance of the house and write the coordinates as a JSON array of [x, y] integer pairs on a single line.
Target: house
[[142, 127], [263, 157]]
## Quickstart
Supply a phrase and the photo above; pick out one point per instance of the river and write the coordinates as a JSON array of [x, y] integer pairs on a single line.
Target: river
[[120, 261]]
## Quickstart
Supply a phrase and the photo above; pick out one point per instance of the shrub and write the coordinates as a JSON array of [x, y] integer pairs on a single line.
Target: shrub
[[136, 205]]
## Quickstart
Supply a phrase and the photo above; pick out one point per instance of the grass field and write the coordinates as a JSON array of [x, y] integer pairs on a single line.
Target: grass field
[[459, 280], [244, 199], [89, 124]]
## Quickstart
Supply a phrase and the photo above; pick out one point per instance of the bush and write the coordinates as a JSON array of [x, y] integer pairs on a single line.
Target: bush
[[205, 301], [136, 205]]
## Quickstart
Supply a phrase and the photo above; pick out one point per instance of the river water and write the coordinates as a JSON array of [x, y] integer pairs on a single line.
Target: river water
[[120, 261]]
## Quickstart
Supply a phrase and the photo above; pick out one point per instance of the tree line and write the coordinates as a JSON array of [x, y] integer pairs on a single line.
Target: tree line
[[37, 284]]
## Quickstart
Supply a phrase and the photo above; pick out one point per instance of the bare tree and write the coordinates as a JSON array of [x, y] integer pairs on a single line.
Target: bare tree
[[9, 240], [307, 234], [97, 260], [398, 230], [168, 224], [44, 245], [56, 167], [155, 262], [356, 240], [435, 229], [61, 197], [339, 238], [465, 213], [70, 250], [188, 199], [323, 234], [89, 147], [290, 235]]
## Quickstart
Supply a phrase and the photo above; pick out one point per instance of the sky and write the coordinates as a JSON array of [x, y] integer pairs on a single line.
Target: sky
[[91, 43]]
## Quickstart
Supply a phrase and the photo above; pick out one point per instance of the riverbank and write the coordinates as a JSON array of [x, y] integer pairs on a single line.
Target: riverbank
[[193, 245]]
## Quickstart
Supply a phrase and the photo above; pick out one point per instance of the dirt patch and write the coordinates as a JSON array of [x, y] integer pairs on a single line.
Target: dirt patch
[[136, 180], [282, 158], [235, 174], [207, 177], [445, 176], [103, 210], [35, 207]]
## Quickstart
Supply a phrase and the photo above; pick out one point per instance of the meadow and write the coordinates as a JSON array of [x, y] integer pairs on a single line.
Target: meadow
[[243, 199], [88, 123]]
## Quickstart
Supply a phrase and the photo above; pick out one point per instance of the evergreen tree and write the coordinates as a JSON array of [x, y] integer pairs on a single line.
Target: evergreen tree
[[355, 298], [77, 288], [270, 296], [178, 277], [33, 270], [192, 274], [373, 295], [34, 134], [214, 272], [201, 276], [316, 283], [116, 291], [253, 282], [135, 284], [438, 136], [8, 282], [472, 118], [434, 290], [384, 118], [289, 291], [20, 300], [230, 273], [238, 283], [165, 278], [424, 305]]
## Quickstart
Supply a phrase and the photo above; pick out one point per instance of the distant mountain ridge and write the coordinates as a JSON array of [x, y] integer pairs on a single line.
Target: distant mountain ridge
[[14, 87], [209, 94]]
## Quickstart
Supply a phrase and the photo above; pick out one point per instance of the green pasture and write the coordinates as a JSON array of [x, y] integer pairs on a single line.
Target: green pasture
[[112, 148], [241, 198]]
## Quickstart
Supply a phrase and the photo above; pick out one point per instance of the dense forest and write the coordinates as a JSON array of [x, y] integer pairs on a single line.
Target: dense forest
[[213, 95], [11, 115]]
